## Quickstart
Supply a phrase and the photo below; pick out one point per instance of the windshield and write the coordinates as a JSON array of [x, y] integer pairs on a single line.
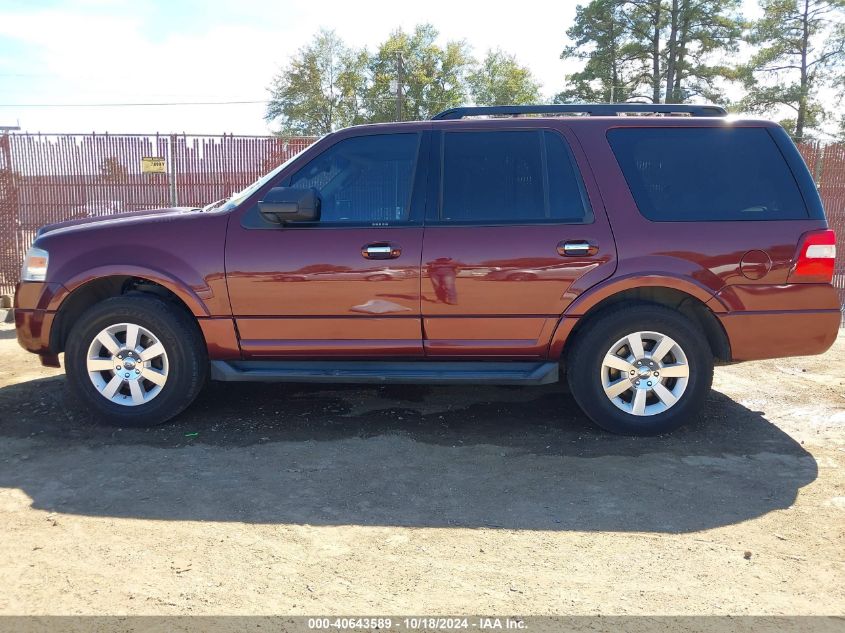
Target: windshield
[[242, 195]]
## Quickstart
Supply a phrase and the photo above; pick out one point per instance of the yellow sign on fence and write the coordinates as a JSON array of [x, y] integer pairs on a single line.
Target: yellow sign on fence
[[153, 165]]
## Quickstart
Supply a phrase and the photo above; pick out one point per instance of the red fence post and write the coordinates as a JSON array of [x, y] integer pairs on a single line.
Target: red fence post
[[11, 248]]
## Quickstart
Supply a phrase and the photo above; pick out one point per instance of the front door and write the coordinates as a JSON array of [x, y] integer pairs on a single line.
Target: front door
[[347, 285], [512, 237]]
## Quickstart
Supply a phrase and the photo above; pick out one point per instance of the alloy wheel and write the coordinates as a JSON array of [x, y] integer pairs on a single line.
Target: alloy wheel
[[645, 373], [127, 364]]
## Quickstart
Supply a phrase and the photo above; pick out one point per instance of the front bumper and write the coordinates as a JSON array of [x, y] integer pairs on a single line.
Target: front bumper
[[34, 316]]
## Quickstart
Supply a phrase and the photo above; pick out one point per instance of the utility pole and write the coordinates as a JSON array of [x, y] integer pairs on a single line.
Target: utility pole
[[399, 96]]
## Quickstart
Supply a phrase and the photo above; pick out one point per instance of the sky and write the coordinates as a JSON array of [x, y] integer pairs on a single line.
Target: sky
[[143, 51]]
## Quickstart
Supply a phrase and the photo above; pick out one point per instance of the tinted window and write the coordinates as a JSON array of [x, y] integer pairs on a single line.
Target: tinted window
[[513, 176], [701, 174], [567, 197], [363, 179]]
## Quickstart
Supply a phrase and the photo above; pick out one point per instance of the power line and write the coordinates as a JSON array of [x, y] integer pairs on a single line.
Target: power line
[[143, 105], [127, 105]]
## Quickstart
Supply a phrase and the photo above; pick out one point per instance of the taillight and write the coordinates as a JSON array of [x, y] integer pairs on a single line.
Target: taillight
[[816, 258]]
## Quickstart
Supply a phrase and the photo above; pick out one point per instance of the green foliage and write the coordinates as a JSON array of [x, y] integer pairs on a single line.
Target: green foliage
[[707, 34], [501, 80], [327, 85], [321, 89], [433, 78], [801, 50], [659, 50], [599, 36]]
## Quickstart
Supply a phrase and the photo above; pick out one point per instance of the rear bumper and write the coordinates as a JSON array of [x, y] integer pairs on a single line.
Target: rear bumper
[[760, 335], [773, 321]]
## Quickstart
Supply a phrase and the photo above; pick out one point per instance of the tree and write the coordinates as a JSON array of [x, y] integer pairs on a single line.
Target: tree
[[705, 32], [802, 45], [647, 19], [660, 50], [322, 88], [501, 80], [433, 78], [112, 170], [600, 38]]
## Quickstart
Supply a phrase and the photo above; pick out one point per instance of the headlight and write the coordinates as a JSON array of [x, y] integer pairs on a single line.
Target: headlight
[[35, 265]]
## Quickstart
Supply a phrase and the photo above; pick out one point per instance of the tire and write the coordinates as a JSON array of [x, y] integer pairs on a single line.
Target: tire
[[164, 384], [640, 407]]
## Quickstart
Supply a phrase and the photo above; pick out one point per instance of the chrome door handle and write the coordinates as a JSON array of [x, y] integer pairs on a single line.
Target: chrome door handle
[[577, 248], [381, 250]]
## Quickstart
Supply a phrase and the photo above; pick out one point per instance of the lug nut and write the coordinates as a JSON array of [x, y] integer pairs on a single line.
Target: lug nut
[[137, 371], [119, 368], [637, 383], [632, 371], [126, 375], [649, 383], [656, 374]]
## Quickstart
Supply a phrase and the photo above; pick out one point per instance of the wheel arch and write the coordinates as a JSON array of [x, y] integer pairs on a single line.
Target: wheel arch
[[690, 301], [88, 293]]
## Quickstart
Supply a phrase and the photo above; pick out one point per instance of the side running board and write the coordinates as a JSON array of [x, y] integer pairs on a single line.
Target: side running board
[[410, 372]]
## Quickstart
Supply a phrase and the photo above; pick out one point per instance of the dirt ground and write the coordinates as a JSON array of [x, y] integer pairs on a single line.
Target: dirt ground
[[298, 499]]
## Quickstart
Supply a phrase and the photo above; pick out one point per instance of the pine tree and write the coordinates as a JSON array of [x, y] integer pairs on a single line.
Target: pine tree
[[659, 50], [801, 50]]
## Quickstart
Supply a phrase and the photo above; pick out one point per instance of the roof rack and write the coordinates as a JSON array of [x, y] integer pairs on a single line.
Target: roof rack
[[592, 109]]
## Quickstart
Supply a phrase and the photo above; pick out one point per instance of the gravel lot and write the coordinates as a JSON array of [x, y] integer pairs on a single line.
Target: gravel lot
[[298, 499]]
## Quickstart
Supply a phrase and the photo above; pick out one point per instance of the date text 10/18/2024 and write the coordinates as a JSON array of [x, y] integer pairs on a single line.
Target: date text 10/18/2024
[[418, 623]]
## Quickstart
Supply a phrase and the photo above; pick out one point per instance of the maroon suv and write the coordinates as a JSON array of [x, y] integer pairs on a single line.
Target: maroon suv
[[630, 252]]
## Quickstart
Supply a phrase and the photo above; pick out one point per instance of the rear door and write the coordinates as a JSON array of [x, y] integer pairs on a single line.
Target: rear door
[[515, 230]]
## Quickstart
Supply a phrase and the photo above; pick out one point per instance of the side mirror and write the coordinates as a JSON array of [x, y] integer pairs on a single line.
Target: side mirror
[[287, 204]]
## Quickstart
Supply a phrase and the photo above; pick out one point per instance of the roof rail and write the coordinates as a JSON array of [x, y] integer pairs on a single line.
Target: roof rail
[[592, 109]]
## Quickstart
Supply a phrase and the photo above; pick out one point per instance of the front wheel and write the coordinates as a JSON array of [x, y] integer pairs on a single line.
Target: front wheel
[[135, 360], [640, 369]]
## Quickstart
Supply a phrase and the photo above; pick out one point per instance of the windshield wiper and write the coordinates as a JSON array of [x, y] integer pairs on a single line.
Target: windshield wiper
[[214, 205]]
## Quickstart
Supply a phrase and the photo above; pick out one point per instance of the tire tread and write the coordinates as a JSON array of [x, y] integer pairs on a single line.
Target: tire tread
[[597, 334], [189, 365]]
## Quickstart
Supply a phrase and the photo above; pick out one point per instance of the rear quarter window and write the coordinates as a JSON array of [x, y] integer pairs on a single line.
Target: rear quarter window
[[707, 174]]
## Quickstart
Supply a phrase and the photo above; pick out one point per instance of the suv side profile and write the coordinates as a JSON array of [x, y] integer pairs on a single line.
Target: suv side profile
[[630, 253]]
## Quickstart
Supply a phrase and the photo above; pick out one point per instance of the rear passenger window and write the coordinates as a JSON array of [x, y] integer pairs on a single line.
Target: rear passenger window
[[514, 176], [707, 174]]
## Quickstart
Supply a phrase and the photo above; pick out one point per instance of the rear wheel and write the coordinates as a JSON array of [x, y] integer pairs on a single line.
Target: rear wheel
[[135, 360], [640, 369]]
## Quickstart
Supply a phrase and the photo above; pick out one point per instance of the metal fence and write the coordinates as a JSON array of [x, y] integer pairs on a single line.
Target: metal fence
[[827, 164], [47, 178]]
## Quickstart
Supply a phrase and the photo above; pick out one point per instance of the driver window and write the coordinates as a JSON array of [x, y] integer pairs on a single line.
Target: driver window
[[364, 179]]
